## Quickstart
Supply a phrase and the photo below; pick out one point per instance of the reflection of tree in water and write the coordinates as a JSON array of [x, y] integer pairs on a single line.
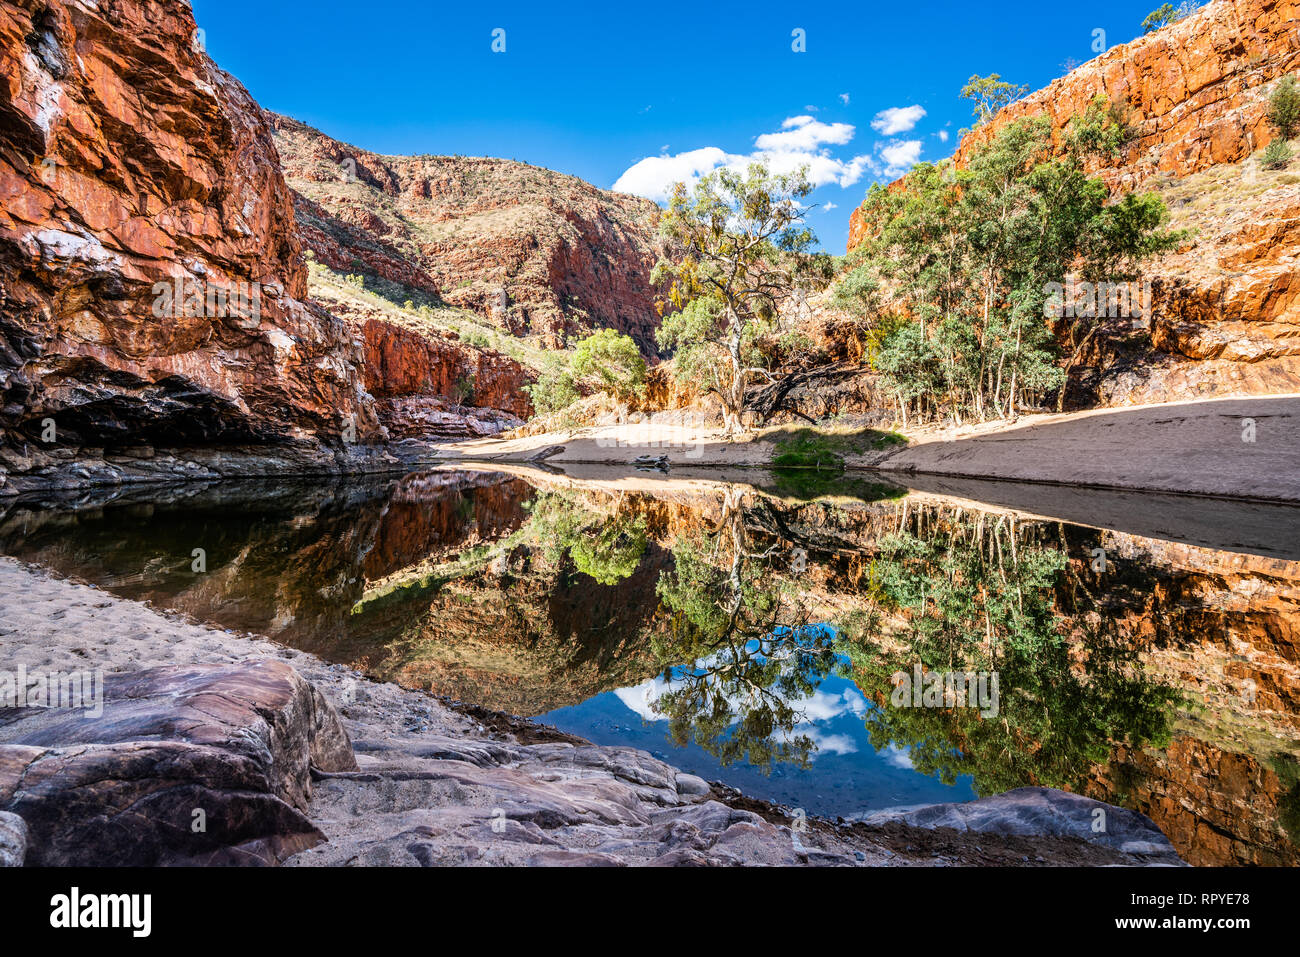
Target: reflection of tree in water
[[740, 654], [607, 548], [983, 594]]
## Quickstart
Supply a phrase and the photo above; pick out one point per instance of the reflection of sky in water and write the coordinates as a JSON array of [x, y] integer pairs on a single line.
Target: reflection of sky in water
[[847, 775]]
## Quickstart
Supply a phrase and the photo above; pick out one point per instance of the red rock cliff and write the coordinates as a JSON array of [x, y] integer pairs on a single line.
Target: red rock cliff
[[128, 160], [402, 362], [1225, 309], [537, 253], [1197, 92]]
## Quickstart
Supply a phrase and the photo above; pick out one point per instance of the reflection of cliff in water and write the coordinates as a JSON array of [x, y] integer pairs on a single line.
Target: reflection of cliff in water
[[431, 580], [1225, 629], [1165, 679], [1158, 676]]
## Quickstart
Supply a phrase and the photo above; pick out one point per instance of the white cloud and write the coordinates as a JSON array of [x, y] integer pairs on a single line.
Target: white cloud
[[845, 98], [803, 133], [801, 141], [943, 136], [654, 176], [900, 156], [898, 757], [827, 207], [824, 743], [897, 119]]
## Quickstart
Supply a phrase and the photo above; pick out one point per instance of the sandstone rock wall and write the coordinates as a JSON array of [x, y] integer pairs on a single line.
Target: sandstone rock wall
[[1225, 308], [402, 362], [1196, 91], [127, 160], [536, 252]]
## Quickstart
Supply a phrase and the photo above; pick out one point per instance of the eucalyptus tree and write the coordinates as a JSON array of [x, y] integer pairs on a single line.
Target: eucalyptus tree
[[740, 654], [743, 260], [968, 258]]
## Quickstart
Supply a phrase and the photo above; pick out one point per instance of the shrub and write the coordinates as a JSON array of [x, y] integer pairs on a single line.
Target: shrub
[[610, 362], [1277, 154], [554, 391], [1284, 108]]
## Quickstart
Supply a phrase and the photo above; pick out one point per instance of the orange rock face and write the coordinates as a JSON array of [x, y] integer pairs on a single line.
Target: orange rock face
[[1226, 308], [401, 362], [537, 253], [128, 163]]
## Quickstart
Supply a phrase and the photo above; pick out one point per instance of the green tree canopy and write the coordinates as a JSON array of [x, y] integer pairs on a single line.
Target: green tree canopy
[[1284, 108], [1167, 13], [610, 362], [971, 256], [744, 260], [989, 94]]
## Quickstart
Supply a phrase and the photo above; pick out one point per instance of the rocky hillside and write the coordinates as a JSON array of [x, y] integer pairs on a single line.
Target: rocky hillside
[[536, 253], [1226, 307], [152, 288], [154, 295]]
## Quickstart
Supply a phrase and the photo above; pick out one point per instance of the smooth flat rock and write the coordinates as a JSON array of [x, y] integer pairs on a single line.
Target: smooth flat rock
[[1043, 812], [187, 764]]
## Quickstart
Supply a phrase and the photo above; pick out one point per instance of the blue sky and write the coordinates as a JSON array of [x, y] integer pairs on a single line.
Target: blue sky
[[596, 89]]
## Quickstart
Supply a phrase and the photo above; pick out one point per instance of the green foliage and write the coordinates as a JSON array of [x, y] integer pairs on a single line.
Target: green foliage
[[607, 549], [463, 390], [985, 597], [554, 390], [1101, 130], [1166, 14], [807, 485], [1284, 108], [610, 362], [973, 255], [813, 449], [744, 257], [750, 656], [807, 451], [1277, 155], [990, 94], [606, 361], [612, 553]]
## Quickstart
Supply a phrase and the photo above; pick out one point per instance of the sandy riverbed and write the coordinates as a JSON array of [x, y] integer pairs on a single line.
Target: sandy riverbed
[[1240, 448]]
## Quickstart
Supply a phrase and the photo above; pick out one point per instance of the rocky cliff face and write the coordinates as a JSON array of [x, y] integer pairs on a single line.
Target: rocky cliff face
[[537, 253], [152, 290], [429, 385], [1225, 309], [1221, 627]]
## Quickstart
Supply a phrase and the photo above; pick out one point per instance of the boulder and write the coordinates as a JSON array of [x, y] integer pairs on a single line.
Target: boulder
[[200, 764], [13, 840], [1044, 812]]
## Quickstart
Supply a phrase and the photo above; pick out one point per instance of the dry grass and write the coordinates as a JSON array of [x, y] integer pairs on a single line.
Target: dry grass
[[429, 318]]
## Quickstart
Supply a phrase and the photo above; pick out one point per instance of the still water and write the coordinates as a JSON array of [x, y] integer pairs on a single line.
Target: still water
[[758, 632]]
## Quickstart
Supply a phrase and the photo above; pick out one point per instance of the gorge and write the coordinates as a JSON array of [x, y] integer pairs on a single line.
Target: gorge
[[312, 456]]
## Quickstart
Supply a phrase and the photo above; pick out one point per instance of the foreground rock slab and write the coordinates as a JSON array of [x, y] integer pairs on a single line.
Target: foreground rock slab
[[185, 765], [1043, 812]]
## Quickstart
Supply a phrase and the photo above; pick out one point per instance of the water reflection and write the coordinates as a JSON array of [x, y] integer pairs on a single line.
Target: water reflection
[[755, 632]]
